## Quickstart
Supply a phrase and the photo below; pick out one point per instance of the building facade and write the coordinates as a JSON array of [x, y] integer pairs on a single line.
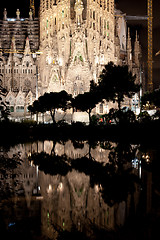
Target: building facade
[[64, 49]]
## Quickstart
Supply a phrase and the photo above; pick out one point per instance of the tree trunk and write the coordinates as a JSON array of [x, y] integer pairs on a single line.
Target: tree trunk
[[53, 149], [37, 117], [119, 104], [53, 115], [63, 118], [90, 156], [89, 113], [119, 108], [43, 117]]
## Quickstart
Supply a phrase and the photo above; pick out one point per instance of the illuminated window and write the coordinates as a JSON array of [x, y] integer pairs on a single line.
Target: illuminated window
[[11, 108], [108, 5], [81, 89], [19, 109], [100, 23], [70, 47], [108, 25], [63, 13], [46, 4], [94, 15], [101, 108], [75, 89]]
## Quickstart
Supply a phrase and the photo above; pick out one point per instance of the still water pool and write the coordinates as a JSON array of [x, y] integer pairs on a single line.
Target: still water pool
[[79, 190]]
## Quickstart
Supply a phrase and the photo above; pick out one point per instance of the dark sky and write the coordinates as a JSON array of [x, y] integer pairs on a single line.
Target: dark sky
[[134, 7]]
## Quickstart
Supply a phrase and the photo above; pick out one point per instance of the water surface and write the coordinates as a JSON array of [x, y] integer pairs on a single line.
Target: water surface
[[79, 189]]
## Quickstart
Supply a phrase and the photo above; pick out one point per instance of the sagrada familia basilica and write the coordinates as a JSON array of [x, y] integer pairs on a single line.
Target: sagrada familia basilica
[[65, 48]]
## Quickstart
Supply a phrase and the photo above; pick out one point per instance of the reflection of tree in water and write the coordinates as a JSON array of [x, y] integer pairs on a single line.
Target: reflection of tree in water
[[8, 175], [51, 164], [114, 178], [120, 179], [78, 144], [80, 194], [62, 142], [94, 191]]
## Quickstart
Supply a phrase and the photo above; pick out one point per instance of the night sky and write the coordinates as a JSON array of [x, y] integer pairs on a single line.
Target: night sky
[[136, 7]]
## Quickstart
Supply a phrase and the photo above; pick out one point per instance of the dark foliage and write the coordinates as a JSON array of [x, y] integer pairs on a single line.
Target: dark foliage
[[50, 102], [4, 105], [116, 82], [114, 179], [152, 98], [51, 164]]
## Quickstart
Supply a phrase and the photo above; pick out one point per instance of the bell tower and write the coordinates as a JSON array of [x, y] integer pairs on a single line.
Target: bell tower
[[32, 7], [54, 43]]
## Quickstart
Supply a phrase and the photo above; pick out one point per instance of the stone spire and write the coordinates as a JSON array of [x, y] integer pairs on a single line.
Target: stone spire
[[18, 14], [78, 9], [30, 15], [5, 15], [13, 45], [11, 61], [129, 45], [129, 50], [27, 49], [137, 50], [0, 49]]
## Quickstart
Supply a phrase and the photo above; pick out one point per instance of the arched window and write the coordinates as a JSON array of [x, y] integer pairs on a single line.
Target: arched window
[[12, 108], [101, 108], [75, 89], [20, 109]]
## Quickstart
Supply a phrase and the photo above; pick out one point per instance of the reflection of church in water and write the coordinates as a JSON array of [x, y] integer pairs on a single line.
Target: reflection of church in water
[[70, 200], [75, 40]]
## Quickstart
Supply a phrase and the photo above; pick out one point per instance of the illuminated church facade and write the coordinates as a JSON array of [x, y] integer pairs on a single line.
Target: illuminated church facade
[[64, 49]]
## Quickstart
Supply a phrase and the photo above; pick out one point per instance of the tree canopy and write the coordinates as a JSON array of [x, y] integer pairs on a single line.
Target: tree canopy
[[50, 102], [88, 100], [117, 82], [85, 102], [4, 105], [153, 98]]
